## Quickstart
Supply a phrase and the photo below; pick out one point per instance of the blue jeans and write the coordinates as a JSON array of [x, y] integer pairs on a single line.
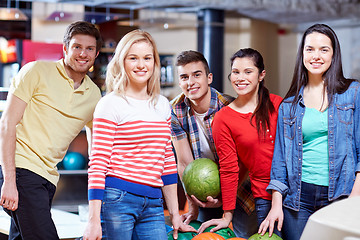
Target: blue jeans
[[263, 207], [127, 216], [312, 198], [244, 225]]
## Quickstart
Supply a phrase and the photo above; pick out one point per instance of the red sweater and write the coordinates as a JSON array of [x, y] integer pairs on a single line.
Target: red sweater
[[240, 149]]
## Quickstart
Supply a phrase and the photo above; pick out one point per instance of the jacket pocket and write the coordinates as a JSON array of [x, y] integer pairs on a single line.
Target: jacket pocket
[[345, 113], [289, 127]]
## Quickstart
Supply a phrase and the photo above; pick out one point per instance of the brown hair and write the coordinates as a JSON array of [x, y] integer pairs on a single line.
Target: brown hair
[[191, 56], [85, 28], [265, 107]]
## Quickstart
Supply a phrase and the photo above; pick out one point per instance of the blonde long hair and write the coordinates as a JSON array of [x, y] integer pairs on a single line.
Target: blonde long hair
[[116, 77]]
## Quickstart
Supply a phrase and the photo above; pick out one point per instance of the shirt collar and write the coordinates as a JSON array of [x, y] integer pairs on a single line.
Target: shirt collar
[[60, 65], [213, 102]]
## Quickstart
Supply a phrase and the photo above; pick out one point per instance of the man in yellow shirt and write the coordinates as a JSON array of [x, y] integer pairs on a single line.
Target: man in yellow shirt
[[47, 106]]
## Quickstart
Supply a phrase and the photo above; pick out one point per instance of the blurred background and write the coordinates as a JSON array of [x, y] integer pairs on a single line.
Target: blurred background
[[33, 30]]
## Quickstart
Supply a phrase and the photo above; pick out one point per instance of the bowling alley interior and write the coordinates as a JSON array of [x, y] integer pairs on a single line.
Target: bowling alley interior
[[33, 30]]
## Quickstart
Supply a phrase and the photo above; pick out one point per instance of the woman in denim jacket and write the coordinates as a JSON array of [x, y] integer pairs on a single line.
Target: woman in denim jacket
[[317, 145]]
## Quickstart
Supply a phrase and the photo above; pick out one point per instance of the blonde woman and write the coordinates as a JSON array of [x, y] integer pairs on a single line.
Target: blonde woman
[[131, 162]]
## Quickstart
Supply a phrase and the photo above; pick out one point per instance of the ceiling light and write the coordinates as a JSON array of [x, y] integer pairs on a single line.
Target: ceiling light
[[12, 14]]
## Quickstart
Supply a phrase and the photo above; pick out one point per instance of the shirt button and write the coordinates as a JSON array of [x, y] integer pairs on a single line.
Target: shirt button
[[299, 144], [330, 115], [299, 159]]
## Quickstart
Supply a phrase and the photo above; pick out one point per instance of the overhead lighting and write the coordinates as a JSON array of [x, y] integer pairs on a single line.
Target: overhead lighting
[[12, 14]]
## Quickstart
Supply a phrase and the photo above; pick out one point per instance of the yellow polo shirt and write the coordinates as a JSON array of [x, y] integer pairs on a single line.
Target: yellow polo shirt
[[54, 116]]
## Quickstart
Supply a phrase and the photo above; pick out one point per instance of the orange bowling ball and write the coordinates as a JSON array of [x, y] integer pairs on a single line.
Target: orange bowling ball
[[208, 236]]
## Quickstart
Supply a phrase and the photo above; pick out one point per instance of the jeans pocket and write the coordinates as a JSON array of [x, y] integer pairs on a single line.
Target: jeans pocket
[[113, 195]]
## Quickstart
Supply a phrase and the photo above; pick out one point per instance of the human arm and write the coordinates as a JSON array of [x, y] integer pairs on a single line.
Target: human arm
[[93, 228], [228, 160], [14, 110], [170, 196], [184, 157], [356, 188], [275, 214], [88, 132]]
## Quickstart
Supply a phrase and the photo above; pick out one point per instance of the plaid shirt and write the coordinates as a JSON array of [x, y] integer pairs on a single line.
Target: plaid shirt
[[183, 124]]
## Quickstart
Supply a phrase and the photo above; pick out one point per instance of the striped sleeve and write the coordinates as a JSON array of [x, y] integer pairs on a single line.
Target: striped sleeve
[[102, 143], [170, 169]]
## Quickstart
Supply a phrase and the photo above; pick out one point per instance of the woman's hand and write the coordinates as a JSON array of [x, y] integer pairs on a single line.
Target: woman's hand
[[178, 225], [210, 202], [220, 223], [275, 214], [93, 231]]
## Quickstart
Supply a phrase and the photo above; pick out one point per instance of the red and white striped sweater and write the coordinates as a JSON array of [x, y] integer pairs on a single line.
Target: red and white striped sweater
[[131, 147]]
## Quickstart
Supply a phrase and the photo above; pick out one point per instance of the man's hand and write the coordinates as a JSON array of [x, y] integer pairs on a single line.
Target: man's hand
[[9, 195], [210, 203]]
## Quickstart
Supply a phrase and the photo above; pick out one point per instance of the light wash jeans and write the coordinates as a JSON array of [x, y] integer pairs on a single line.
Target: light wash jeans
[[125, 216]]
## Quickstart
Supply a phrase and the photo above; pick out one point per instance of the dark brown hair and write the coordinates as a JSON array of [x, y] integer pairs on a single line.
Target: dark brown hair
[[265, 107], [191, 56], [85, 28], [334, 79]]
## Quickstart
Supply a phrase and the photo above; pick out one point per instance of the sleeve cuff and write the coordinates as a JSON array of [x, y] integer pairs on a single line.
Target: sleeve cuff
[[95, 194], [169, 179], [278, 186]]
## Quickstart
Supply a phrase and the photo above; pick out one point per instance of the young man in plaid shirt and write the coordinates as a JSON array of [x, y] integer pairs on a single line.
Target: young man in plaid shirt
[[192, 113]]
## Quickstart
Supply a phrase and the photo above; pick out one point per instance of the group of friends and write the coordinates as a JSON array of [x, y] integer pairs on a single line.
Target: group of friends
[[280, 160]]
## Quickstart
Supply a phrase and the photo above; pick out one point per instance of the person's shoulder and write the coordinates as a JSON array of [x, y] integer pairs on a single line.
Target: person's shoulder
[[179, 99], [163, 100], [111, 98], [223, 97], [275, 99], [223, 112], [355, 84]]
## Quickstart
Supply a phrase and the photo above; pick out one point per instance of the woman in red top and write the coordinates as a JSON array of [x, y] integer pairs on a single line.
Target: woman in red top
[[244, 135]]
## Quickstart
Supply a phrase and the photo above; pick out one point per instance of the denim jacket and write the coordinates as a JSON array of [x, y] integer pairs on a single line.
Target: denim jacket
[[343, 140]]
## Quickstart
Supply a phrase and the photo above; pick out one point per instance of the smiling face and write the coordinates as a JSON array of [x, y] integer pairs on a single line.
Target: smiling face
[[193, 80], [245, 77], [79, 55], [317, 54], [139, 63]]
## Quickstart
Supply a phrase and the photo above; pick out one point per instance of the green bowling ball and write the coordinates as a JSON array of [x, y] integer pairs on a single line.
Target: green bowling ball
[[258, 236], [225, 232]]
